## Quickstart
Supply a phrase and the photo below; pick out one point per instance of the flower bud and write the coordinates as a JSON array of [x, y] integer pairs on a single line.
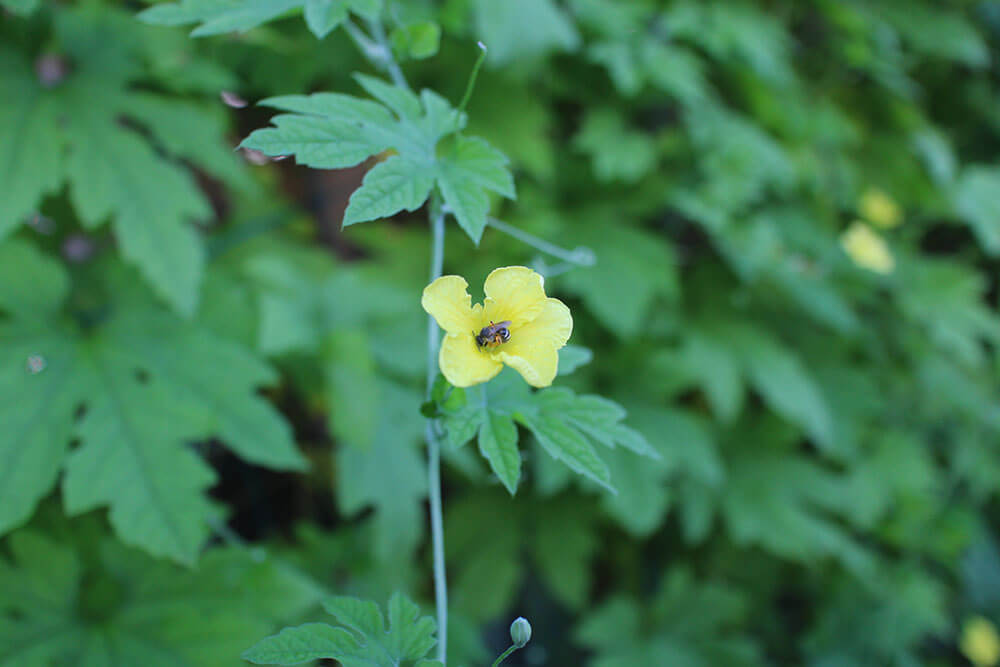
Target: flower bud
[[520, 632]]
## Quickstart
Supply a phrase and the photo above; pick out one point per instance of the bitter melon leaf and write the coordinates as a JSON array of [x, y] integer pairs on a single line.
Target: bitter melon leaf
[[491, 538], [23, 7], [617, 153], [333, 131], [31, 283], [783, 380], [388, 476], [625, 255], [148, 383], [974, 200], [122, 608], [784, 505], [688, 623], [114, 173], [55, 133], [565, 425], [221, 16], [361, 640], [349, 369], [523, 30], [40, 388], [389, 187], [29, 146]]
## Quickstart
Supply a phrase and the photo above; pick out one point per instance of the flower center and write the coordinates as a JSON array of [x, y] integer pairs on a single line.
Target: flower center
[[494, 334]]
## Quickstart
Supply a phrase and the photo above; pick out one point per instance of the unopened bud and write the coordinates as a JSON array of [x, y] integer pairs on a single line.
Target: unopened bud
[[520, 632]]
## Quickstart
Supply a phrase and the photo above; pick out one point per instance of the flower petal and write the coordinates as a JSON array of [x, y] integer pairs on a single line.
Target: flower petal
[[447, 300], [533, 348], [513, 293], [537, 365], [463, 363]]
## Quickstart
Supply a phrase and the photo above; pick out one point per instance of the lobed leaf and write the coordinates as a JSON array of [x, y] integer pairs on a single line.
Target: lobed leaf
[[366, 643]]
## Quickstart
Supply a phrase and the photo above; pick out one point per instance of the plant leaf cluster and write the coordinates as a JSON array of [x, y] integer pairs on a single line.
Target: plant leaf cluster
[[181, 332]]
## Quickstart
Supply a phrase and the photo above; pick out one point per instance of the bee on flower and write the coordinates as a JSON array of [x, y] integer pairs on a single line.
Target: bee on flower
[[517, 325]]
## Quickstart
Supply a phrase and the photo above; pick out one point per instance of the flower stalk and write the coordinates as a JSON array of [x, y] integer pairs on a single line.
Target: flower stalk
[[377, 49], [434, 445]]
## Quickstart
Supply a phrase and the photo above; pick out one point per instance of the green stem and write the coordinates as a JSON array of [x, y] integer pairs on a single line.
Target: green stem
[[472, 77], [581, 256], [504, 655], [378, 50], [378, 33], [369, 49], [433, 444]]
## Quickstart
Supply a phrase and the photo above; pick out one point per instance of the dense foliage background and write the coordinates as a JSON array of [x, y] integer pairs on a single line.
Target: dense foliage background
[[210, 393]]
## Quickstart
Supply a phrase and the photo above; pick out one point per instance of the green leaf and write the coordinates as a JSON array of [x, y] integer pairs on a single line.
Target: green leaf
[[498, 445], [417, 40], [634, 268], [221, 16], [947, 300], [783, 503], [686, 452], [468, 168], [617, 154], [364, 641], [388, 188], [101, 603], [149, 386], [562, 422], [564, 443], [322, 16], [29, 145], [573, 357], [490, 536], [785, 384], [218, 16], [331, 131], [114, 171], [32, 285], [523, 29], [935, 32], [687, 623], [191, 131], [706, 359], [390, 476], [23, 7], [41, 384], [352, 386], [976, 202]]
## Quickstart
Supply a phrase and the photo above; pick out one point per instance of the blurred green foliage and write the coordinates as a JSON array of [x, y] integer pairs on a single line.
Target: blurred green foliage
[[187, 336]]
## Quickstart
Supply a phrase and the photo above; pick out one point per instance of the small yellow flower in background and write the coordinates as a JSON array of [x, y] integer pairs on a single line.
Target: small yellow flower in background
[[516, 325], [880, 209], [867, 249], [980, 642]]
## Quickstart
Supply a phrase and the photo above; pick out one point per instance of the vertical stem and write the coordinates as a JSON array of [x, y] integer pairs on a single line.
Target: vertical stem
[[391, 66], [379, 51], [433, 445]]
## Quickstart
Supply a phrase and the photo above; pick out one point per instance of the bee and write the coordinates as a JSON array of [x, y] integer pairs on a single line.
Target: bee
[[494, 334]]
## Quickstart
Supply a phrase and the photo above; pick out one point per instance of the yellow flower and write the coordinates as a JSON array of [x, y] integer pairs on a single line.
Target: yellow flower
[[980, 642], [867, 249], [523, 328], [880, 209]]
